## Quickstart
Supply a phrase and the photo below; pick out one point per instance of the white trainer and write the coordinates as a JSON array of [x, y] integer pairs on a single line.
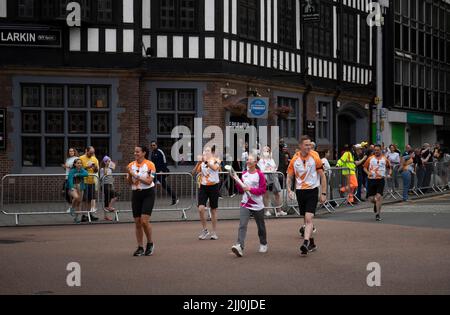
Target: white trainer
[[282, 213], [268, 214], [237, 250], [204, 235], [214, 236], [263, 248]]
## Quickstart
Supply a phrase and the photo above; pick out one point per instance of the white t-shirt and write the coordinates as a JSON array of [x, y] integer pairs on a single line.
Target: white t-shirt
[[69, 164], [267, 165], [393, 157]]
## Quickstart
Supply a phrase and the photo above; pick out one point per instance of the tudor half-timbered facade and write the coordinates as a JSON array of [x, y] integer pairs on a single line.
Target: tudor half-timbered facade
[[135, 69]]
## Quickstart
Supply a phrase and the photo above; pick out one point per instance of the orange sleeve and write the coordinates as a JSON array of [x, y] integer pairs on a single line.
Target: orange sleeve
[[152, 167], [290, 169]]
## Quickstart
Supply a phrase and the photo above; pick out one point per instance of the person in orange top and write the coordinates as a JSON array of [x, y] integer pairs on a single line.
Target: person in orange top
[[208, 168], [140, 176], [307, 169], [377, 168]]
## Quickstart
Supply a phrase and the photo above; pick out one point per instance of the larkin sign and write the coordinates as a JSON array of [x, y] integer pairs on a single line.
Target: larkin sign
[[30, 37]]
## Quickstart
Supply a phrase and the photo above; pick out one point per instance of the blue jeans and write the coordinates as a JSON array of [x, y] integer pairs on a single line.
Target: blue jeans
[[362, 180], [406, 176]]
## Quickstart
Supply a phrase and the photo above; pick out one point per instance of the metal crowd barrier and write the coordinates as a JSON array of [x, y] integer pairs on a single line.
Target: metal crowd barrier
[[43, 194], [178, 187], [36, 194], [429, 178]]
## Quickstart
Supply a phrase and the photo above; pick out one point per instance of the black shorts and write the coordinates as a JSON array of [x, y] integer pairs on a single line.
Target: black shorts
[[108, 193], [142, 202], [375, 186], [89, 193], [307, 200], [210, 193]]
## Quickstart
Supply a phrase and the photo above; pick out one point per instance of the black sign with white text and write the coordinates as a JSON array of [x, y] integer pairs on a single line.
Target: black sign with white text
[[310, 11], [30, 37]]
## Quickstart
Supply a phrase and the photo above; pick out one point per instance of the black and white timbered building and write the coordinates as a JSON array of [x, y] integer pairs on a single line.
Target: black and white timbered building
[[134, 69]]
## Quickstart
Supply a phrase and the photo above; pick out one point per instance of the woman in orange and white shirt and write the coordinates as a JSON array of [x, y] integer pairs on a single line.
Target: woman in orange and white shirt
[[141, 175], [208, 168]]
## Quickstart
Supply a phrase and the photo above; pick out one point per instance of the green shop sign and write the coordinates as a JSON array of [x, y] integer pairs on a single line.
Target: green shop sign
[[423, 119]]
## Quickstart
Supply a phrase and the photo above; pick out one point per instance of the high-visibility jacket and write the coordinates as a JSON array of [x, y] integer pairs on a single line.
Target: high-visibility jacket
[[348, 162]]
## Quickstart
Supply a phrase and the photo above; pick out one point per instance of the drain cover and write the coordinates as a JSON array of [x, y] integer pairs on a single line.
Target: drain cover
[[8, 242]]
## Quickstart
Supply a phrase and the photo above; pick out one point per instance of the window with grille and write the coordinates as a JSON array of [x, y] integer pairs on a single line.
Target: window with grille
[[174, 108], [26, 8], [349, 37], [323, 121], [248, 18], [319, 37], [104, 11], [178, 14], [289, 125], [57, 117], [286, 20]]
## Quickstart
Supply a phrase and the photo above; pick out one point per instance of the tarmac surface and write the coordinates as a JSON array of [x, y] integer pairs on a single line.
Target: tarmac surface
[[412, 246]]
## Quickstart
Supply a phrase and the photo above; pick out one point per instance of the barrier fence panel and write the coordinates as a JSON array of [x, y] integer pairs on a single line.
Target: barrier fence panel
[[44, 194], [37, 194], [174, 193], [441, 178]]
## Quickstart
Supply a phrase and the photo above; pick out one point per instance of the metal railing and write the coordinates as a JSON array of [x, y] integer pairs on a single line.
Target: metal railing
[[37, 194], [44, 194], [174, 193]]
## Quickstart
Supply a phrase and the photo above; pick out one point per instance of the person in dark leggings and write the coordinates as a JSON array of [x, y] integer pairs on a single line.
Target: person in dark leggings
[[159, 159], [140, 176]]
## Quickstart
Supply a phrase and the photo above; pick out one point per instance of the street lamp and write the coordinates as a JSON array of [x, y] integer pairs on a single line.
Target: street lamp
[[379, 22]]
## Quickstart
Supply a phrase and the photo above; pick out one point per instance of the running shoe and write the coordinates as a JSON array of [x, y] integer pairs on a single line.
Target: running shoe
[[378, 218], [282, 213], [312, 248], [204, 235], [139, 252], [268, 214], [304, 249], [214, 237], [175, 202], [149, 250], [263, 248], [77, 220], [237, 250]]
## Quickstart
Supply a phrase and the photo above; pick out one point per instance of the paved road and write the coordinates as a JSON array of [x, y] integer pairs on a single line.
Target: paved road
[[413, 249]]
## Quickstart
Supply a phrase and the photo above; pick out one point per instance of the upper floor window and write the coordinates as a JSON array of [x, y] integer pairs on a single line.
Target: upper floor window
[[286, 22], [104, 10], [349, 37], [178, 14], [248, 18], [364, 42], [319, 37], [26, 8]]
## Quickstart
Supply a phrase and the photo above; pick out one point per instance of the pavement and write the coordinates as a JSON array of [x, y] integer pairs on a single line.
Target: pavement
[[411, 245]]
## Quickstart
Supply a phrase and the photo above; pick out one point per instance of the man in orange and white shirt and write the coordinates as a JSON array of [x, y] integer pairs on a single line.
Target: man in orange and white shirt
[[307, 169], [377, 168]]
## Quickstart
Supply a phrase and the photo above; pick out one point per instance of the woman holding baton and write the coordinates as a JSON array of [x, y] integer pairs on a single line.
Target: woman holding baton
[[253, 185]]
